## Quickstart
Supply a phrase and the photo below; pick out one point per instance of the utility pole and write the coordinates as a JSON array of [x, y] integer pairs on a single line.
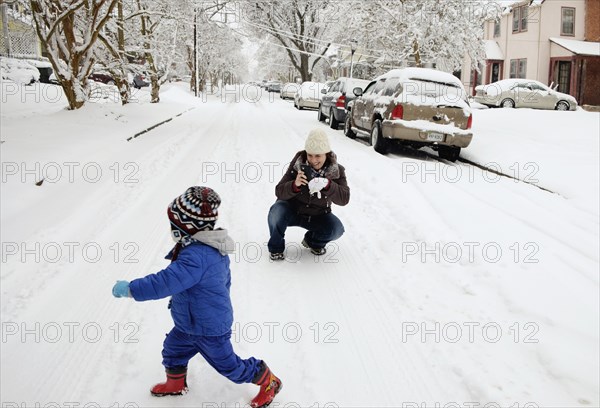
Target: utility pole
[[196, 76], [3, 9]]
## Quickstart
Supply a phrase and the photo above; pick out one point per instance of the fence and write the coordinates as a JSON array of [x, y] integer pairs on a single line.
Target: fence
[[17, 38]]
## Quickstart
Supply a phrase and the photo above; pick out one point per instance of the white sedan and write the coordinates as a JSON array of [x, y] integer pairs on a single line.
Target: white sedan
[[309, 95], [289, 90], [523, 93]]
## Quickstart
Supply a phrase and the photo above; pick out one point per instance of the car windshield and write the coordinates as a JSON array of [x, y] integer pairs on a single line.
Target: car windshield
[[433, 89]]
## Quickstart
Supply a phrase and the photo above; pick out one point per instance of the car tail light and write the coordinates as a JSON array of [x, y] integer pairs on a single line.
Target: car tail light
[[470, 121], [398, 112], [341, 102]]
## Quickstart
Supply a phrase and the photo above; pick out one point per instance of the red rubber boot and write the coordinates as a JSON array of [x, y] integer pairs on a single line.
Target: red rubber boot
[[176, 383], [269, 387]]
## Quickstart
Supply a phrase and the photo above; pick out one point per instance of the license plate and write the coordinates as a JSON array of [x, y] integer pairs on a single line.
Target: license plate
[[435, 137]]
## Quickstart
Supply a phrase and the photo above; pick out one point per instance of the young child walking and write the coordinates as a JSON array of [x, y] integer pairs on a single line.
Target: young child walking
[[198, 280]]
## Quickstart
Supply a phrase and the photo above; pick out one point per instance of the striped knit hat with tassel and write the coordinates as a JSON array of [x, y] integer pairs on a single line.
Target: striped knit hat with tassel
[[193, 211]]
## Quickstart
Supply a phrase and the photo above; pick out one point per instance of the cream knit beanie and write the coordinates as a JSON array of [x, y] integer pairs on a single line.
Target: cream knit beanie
[[317, 142]]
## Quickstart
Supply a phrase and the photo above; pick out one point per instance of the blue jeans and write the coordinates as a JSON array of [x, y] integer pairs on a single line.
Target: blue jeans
[[179, 348], [321, 228]]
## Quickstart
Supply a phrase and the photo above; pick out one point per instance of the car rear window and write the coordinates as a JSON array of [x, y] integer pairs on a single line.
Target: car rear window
[[379, 86], [391, 86], [433, 89], [354, 83]]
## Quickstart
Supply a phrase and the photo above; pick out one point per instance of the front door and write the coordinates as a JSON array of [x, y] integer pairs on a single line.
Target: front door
[[564, 76], [495, 72]]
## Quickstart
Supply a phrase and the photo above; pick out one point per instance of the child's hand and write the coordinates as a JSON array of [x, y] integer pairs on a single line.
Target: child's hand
[[121, 289]]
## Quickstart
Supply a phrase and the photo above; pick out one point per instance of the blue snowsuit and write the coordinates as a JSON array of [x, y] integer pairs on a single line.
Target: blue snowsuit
[[198, 279]]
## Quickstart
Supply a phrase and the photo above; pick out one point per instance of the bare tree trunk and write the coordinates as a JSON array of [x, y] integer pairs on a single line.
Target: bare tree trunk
[[122, 80], [190, 65], [304, 69], [154, 85], [417, 54], [70, 93]]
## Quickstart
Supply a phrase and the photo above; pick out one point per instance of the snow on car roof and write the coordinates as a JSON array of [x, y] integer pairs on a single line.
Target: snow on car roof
[[426, 74], [507, 83]]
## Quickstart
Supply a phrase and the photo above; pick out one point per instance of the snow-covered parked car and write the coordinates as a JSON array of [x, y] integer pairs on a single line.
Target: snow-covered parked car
[[19, 71], [523, 93], [45, 69], [309, 95], [103, 77], [289, 90], [335, 100], [415, 107], [274, 87]]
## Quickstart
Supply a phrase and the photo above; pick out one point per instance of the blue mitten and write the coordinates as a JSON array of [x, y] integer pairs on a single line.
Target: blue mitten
[[121, 289]]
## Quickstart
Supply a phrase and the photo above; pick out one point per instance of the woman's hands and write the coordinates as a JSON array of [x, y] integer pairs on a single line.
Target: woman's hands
[[301, 179]]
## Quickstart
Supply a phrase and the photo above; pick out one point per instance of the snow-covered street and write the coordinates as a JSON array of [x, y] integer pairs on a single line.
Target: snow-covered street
[[451, 284]]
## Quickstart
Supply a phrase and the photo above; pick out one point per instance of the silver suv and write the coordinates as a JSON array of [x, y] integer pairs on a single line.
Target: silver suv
[[415, 107]]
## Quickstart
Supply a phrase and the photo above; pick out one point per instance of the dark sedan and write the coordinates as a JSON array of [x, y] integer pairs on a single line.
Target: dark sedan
[[334, 102]]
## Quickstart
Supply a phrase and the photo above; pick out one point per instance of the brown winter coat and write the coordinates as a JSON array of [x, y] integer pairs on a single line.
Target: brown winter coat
[[337, 192]]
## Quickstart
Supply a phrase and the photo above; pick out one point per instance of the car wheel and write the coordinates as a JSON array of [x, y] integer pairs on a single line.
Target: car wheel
[[348, 127], [379, 143], [507, 103], [333, 122], [563, 106], [320, 115], [449, 153]]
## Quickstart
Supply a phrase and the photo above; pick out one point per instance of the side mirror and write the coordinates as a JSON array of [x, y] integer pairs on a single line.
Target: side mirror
[[357, 91], [323, 91]]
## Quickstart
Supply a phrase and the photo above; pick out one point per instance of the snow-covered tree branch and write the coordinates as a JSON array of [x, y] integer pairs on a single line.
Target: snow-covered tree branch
[[69, 31]]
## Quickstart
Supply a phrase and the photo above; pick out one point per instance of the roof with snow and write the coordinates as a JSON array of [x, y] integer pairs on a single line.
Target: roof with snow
[[579, 47], [427, 74], [492, 50], [508, 5]]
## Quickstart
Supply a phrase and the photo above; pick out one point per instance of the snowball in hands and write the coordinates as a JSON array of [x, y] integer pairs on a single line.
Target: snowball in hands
[[317, 184]]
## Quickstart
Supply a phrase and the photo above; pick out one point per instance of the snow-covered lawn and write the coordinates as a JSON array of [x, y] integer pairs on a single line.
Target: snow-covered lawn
[[451, 286]]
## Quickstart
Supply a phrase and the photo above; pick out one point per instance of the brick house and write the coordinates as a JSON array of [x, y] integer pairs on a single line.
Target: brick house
[[556, 42]]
